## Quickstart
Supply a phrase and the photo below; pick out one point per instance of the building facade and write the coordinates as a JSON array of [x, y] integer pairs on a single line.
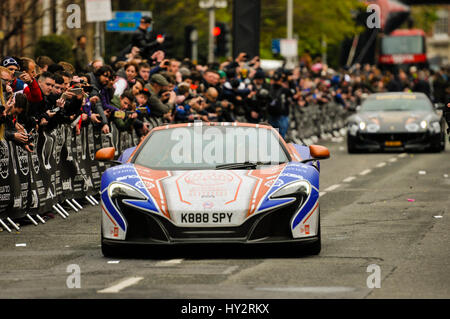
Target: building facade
[[438, 41]]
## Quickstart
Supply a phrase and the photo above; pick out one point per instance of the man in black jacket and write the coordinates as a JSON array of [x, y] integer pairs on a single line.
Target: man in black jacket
[[146, 41], [279, 108]]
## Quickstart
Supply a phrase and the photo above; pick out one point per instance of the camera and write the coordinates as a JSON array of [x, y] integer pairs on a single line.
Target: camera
[[30, 136], [87, 88]]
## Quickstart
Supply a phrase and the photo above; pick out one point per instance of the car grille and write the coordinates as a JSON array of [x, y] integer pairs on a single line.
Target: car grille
[[403, 137], [144, 226]]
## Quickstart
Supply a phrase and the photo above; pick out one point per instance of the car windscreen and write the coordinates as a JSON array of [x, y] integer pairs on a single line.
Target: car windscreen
[[206, 147], [400, 102]]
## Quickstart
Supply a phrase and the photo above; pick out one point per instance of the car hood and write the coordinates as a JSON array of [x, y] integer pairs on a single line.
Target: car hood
[[395, 121], [240, 193]]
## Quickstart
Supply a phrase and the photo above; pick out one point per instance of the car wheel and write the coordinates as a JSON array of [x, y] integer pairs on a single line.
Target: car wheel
[[111, 251], [350, 147]]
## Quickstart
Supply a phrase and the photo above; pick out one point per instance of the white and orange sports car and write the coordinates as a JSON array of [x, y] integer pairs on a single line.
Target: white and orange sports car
[[212, 183]]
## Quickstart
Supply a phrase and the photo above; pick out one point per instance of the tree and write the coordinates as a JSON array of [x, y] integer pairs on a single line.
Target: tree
[[14, 17], [57, 47], [313, 21]]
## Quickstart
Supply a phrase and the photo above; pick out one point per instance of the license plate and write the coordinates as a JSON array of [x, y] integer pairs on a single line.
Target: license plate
[[206, 218], [393, 143]]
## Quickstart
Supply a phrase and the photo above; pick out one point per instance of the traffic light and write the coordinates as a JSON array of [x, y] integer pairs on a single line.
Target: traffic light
[[190, 33], [222, 35]]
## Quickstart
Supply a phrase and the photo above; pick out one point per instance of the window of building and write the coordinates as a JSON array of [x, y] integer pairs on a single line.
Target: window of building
[[441, 25]]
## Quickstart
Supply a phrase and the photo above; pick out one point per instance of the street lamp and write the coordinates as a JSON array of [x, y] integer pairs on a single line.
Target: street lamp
[[212, 5]]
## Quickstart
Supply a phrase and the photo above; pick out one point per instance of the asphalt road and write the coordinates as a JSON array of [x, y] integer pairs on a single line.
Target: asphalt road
[[382, 214]]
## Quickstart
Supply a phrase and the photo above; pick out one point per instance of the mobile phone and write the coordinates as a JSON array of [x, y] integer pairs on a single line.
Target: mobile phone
[[76, 91], [119, 114], [17, 74]]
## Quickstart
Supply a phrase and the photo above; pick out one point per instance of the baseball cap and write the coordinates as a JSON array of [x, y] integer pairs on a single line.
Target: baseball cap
[[159, 79], [7, 61], [146, 19]]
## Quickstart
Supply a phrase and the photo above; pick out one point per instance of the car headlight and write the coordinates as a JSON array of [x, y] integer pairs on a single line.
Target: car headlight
[[423, 124], [124, 191], [373, 128], [362, 126], [412, 127], [294, 189]]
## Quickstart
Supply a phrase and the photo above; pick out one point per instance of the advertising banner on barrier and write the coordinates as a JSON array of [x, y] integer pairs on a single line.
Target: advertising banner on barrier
[[5, 178]]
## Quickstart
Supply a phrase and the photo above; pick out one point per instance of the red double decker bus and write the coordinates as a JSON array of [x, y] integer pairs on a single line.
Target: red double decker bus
[[403, 47]]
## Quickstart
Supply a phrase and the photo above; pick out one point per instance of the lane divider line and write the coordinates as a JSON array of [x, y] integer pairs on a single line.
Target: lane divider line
[[382, 164], [365, 172], [121, 285], [169, 262], [322, 193], [332, 188], [392, 160], [402, 155], [349, 179]]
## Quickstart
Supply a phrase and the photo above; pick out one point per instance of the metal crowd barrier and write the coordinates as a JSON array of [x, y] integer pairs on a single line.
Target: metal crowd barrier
[[59, 175], [308, 124]]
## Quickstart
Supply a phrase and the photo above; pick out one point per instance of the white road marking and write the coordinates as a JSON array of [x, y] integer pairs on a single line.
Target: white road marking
[[365, 172], [332, 188], [402, 155], [229, 270], [382, 164], [322, 193], [121, 285], [21, 245], [308, 289], [392, 160], [113, 261], [349, 179], [169, 262]]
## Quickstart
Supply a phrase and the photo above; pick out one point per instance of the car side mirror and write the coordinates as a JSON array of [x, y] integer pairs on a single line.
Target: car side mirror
[[106, 155], [317, 152]]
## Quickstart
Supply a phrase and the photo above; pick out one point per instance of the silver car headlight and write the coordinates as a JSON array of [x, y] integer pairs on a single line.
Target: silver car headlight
[[125, 191], [373, 127], [412, 127], [294, 189]]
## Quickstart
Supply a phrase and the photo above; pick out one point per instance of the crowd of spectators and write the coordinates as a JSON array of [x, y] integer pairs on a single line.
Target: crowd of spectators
[[144, 86]]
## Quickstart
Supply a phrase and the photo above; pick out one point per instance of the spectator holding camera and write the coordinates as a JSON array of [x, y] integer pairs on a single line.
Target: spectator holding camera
[[16, 121], [159, 90]]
